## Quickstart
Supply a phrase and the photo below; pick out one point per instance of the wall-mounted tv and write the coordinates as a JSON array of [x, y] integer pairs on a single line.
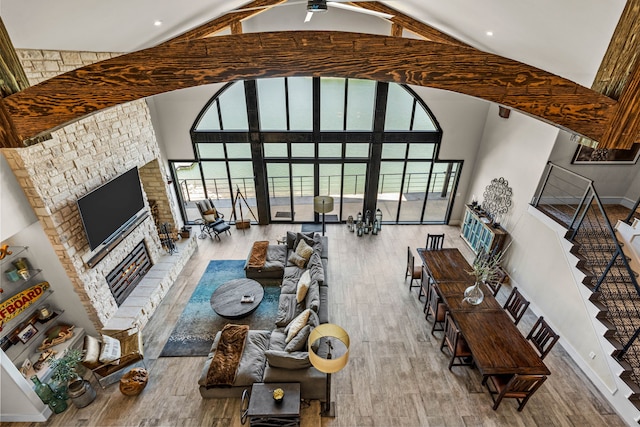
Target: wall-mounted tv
[[110, 207]]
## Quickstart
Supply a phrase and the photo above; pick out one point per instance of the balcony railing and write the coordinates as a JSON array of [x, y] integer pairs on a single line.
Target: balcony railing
[[572, 200]]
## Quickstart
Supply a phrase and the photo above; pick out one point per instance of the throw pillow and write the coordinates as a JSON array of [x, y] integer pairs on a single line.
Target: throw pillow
[[111, 351], [299, 342], [286, 360], [91, 350], [296, 259], [297, 324], [307, 237], [303, 286], [304, 250]]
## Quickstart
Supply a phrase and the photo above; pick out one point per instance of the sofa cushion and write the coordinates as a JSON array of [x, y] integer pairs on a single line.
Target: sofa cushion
[[299, 342], [286, 360], [287, 309], [290, 279], [252, 363], [297, 260], [323, 310], [315, 265], [297, 324], [304, 250], [312, 300], [292, 238], [303, 286]]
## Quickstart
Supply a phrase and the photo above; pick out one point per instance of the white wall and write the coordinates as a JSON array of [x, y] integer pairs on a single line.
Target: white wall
[[516, 149], [15, 211], [173, 115], [612, 182]]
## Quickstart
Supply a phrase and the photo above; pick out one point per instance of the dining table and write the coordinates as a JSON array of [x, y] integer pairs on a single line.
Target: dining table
[[497, 345]]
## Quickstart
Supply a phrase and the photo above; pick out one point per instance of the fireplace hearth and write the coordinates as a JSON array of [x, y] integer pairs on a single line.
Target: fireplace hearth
[[125, 276]]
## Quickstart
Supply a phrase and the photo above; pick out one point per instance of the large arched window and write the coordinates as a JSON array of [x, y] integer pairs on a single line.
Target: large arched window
[[274, 144]]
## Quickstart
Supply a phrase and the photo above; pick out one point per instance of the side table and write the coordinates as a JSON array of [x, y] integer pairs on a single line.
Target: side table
[[263, 410]]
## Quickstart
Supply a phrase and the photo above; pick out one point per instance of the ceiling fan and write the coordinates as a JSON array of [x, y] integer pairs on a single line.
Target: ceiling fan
[[319, 6]]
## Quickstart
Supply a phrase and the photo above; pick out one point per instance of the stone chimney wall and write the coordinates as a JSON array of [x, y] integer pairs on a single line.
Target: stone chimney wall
[[79, 158]]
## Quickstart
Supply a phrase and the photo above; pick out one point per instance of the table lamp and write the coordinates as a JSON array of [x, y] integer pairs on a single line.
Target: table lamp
[[323, 204], [336, 341]]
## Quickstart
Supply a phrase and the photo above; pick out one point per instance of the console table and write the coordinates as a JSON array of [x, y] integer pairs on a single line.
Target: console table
[[480, 233], [263, 410]]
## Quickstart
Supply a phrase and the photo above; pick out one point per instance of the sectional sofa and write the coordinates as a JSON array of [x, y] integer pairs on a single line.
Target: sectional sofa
[[267, 356]]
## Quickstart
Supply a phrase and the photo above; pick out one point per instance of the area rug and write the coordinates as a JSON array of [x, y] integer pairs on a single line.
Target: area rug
[[198, 324]]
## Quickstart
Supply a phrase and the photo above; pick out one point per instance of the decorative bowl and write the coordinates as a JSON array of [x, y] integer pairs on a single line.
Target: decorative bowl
[[278, 394]]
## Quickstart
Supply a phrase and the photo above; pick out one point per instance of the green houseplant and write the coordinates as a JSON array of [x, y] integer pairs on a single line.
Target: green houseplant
[[64, 368]]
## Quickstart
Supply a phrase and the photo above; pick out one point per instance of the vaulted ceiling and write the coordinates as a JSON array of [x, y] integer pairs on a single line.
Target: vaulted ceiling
[[563, 37]]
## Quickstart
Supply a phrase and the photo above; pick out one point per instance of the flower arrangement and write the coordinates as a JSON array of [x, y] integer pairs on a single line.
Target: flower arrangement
[[486, 266]]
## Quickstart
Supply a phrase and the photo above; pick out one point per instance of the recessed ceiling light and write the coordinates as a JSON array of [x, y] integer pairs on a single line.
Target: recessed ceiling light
[[489, 33], [157, 22]]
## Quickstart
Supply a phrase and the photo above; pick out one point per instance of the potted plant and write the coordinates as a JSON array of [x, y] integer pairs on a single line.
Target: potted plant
[[64, 371]]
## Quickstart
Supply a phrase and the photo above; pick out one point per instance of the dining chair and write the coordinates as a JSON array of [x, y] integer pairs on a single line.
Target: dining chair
[[425, 286], [434, 242], [497, 282], [542, 337], [436, 308], [519, 387], [455, 344], [415, 273], [516, 305]]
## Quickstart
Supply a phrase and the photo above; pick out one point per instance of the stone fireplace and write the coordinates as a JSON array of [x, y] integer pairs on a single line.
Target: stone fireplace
[[77, 159], [123, 279]]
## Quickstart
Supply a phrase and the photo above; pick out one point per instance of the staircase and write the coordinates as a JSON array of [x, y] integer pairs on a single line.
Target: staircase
[[607, 269]]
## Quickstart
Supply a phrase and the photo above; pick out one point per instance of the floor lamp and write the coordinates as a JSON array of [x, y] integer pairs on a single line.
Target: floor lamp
[[336, 340], [323, 204]]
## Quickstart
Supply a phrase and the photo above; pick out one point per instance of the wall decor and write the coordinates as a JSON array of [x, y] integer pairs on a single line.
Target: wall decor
[[20, 301], [27, 333], [497, 198], [592, 156]]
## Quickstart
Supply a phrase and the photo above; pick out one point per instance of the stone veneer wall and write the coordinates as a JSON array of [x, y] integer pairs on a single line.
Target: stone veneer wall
[[79, 158], [155, 184]]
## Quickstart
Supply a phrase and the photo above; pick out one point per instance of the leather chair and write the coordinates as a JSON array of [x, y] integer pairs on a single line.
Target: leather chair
[[132, 352], [516, 305], [542, 337], [519, 387], [455, 344]]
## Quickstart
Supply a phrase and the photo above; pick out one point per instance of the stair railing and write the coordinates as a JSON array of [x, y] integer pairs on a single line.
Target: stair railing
[[561, 191]]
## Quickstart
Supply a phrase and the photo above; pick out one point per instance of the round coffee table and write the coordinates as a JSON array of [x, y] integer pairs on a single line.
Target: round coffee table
[[226, 301]]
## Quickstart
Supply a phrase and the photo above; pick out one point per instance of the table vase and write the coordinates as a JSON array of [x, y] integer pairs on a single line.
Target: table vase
[[473, 294]]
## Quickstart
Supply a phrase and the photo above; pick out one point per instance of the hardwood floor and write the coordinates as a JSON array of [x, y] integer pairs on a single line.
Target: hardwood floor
[[396, 375]]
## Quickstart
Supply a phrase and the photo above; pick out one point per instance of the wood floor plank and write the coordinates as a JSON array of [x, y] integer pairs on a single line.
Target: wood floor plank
[[396, 375]]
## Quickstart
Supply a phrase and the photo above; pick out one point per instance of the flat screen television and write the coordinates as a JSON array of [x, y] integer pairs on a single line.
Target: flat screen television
[[110, 207]]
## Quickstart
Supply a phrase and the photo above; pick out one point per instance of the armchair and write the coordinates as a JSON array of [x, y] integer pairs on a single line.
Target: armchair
[[131, 352], [213, 222]]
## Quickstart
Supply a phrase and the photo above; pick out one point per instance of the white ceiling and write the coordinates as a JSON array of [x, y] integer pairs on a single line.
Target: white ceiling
[[565, 37]]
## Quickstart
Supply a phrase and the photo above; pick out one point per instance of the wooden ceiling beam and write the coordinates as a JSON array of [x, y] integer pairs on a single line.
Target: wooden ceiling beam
[[411, 24], [624, 128], [230, 18], [68, 97]]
